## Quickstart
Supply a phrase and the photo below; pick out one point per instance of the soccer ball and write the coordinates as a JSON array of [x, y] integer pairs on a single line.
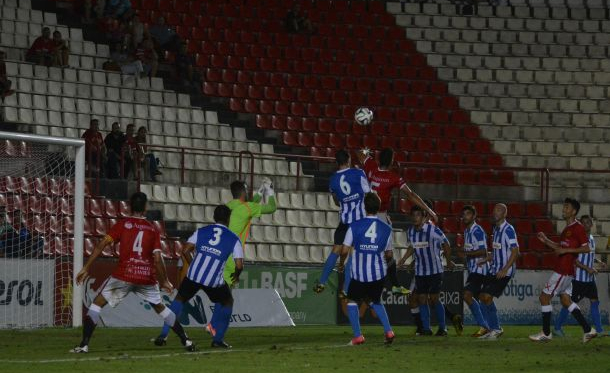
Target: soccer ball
[[363, 116]]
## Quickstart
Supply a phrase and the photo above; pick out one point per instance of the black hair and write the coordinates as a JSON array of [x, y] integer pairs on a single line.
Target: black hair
[[372, 203], [237, 188], [429, 203], [222, 214], [138, 202], [342, 157], [470, 208], [386, 157], [586, 217], [574, 203]]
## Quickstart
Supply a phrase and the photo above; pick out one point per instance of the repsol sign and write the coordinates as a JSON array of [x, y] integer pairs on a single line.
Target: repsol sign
[[24, 293]]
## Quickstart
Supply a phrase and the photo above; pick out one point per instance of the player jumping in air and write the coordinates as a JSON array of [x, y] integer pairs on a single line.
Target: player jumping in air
[[475, 251], [573, 241], [505, 251], [140, 257], [423, 240], [212, 246], [348, 187], [383, 181], [242, 213], [371, 240], [583, 285]]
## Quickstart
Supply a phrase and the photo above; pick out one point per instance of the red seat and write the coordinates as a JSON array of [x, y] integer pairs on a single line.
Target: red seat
[[305, 139], [111, 208], [124, 209], [160, 226], [530, 261], [448, 176], [457, 206], [336, 140], [263, 121], [282, 123], [282, 108], [535, 244], [536, 209], [450, 225], [94, 207], [545, 226], [523, 227], [466, 176], [353, 141], [265, 107], [515, 209], [99, 226], [290, 138], [297, 108], [310, 124]]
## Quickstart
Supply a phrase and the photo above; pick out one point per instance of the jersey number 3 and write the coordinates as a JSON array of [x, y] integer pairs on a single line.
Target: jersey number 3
[[216, 240], [372, 232]]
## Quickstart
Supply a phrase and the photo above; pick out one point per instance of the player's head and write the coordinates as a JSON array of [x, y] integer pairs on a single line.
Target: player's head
[[138, 203], [587, 221], [130, 129], [94, 125], [418, 215], [238, 189], [469, 214], [386, 157], [222, 215], [570, 208], [500, 212], [343, 158], [372, 203], [116, 127]]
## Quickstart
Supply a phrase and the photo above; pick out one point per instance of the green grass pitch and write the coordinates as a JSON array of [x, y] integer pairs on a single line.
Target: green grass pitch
[[301, 349]]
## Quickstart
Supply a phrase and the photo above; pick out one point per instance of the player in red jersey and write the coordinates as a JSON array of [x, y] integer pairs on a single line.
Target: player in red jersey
[[573, 241], [140, 263], [383, 181]]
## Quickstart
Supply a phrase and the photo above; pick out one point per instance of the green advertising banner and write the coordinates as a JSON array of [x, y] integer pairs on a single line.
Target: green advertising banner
[[295, 284]]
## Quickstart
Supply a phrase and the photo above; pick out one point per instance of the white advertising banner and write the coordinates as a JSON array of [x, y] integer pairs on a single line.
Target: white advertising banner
[[519, 304], [252, 308], [26, 293]]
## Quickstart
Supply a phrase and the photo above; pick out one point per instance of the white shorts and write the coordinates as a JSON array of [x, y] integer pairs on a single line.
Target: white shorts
[[116, 290], [558, 284]]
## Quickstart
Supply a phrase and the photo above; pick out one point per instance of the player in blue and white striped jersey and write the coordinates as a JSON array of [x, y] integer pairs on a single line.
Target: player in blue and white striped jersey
[[371, 240], [583, 285], [504, 255], [423, 241], [206, 254], [475, 251], [348, 186]]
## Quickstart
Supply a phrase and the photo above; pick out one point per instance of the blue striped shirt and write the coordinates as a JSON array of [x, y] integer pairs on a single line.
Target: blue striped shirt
[[504, 241], [349, 186], [587, 259], [213, 246], [370, 238], [474, 240], [426, 244]]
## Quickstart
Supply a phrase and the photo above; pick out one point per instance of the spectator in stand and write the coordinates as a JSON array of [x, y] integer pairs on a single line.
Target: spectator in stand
[[5, 84], [123, 61], [138, 31], [118, 9], [297, 21], [114, 143], [20, 242], [42, 50], [147, 55], [7, 232], [149, 161], [61, 50], [164, 36], [130, 151], [185, 70], [94, 148]]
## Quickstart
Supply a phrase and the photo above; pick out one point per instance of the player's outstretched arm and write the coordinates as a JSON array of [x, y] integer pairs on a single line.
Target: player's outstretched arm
[[162, 273], [269, 193], [514, 254], [408, 254], [447, 252], [187, 254], [586, 268], [84, 273], [416, 199], [239, 267]]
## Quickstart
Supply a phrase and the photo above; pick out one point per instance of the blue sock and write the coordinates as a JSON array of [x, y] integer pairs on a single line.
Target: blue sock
[[354, 318], [215, 315], [383, 316], [475, 308], [347, 274], [597, 318], [562, 318], [328, 267], [224, 318], [424, 311], [175, 307], [440, 314], [494, 323]]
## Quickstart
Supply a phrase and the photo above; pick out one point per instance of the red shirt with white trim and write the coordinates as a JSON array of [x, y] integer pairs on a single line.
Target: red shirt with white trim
[[138, 240], [573, 236], [382, 182]]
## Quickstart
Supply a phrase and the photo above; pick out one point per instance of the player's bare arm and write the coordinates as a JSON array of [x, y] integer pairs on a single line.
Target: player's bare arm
[[514, 254], [335, 200], [447, 252], [590, 270], [476, 253], [84, 272], [187, 254], [408, 254], [162, 272], [416, 199], [389, 255], [239, 267]]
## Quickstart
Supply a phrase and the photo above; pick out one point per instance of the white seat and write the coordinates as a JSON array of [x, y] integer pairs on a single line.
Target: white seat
[[283, 234], [199, 195], [170, 212], [262, 253], [292, 217], [271, 233], [297, 234], [305, 218], [310, 235], [302, 254], [198, 213], [250, 252], [213, 196], [296, 200], [276, 252], [173, 193], [316, 254], [158, 193]]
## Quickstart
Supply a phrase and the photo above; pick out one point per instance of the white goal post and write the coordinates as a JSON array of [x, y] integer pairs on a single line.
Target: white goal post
[[42, 201]]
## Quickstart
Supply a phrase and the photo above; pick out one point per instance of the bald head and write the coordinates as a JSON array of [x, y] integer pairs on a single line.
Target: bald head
[[500, 212]]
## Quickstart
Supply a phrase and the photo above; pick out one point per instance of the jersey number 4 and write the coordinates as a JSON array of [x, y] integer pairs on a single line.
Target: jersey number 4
[[372, 232], [137, 244]]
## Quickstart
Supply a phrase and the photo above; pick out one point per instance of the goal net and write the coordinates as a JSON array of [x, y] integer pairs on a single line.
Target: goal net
[[41, 230]]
